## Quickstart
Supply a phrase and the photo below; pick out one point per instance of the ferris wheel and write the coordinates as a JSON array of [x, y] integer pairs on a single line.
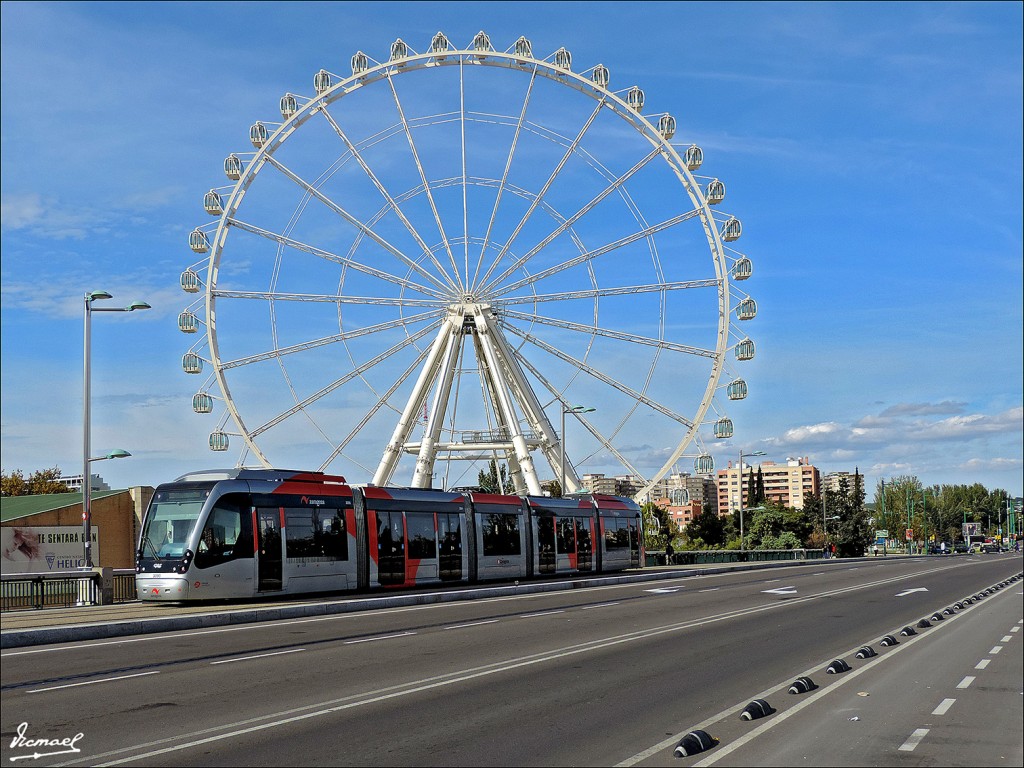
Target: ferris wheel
[[443, 258]]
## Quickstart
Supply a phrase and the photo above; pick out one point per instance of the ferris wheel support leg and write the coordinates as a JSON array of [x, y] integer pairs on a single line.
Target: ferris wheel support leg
[[501, 392], [393, 451], [423, 477]]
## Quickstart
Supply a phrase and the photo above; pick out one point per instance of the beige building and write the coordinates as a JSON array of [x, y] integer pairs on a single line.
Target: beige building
[[784, 484], [115, 515]]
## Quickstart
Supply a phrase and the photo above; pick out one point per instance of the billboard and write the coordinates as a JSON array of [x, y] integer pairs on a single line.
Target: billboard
[[44, 549]]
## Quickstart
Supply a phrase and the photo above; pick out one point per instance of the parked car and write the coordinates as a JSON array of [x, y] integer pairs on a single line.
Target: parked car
[[989, 548], [960, 548]]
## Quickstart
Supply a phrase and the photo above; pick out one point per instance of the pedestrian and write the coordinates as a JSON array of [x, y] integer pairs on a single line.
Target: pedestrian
[[825, 551], [833, 550]]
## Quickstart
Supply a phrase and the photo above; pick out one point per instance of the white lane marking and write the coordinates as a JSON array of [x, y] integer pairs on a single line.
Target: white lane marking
[[473, 624], [543, 613], [771, 581], [1006, 638], [663, 590], [92, 682], [779, 591], [965, 682], [378, 637], [982, 664], [943, 708], [996, 649], [257, 656], [912, 591], [915, 738], [599, 605], [712, 589], [1015, 629]]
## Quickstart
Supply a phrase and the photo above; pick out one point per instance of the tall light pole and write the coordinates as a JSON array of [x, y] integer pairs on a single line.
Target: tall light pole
[[740, 472], [561, 441], [86, 442]]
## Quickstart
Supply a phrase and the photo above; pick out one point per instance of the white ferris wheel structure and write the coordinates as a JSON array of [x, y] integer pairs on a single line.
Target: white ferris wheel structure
[[428, 264]]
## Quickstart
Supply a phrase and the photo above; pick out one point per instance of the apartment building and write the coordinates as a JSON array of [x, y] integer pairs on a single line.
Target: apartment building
[[784, 483]]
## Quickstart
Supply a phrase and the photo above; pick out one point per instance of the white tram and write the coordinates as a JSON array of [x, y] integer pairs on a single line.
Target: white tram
[[252, 532]]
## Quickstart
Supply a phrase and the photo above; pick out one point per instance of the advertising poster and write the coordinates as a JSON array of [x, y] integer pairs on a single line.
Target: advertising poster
[[45, 549]]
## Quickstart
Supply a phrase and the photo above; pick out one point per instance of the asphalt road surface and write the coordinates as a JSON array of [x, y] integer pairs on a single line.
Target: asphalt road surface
[[615, 675]]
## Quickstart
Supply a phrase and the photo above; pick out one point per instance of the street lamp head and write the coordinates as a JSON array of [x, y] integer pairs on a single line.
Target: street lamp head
[[117, 453], [581, 409], [95, 295], [137, 305]]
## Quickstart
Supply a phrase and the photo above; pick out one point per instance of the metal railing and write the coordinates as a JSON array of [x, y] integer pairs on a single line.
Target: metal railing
[[708, 556], [63, 589]]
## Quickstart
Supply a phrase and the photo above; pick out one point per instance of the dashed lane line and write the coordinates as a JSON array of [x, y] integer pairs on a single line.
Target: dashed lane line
[[943, 707], [915, 738], [966, 682]]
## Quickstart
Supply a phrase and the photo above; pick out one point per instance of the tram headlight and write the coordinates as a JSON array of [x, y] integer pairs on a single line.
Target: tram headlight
[[186, 561]]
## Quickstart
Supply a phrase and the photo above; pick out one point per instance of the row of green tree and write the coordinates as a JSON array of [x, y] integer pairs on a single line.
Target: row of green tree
[[840, 518]]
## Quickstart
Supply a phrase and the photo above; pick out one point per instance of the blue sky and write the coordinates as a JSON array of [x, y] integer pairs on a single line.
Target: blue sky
[[872, 151]]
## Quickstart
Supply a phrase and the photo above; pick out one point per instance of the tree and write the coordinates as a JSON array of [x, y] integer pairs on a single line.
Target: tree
[[659, 527], [759, 495], [42, 481], [707, 528], [494, 481]]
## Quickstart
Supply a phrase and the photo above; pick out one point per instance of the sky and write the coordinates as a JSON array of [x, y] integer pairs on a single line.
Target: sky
[[873, 152]]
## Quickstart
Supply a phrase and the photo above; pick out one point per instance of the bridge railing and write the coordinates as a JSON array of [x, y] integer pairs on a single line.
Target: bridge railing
[[63, 589], [710, 556]]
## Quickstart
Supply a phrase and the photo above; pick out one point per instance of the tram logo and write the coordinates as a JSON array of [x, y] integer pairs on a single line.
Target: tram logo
[[60, 746], [313, 502]]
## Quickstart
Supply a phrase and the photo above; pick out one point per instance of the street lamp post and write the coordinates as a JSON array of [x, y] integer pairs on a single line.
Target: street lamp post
[[86, 416], [561, 442], [740, 473]]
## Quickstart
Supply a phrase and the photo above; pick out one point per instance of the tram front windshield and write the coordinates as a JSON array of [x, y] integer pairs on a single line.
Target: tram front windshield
[[171, 517]]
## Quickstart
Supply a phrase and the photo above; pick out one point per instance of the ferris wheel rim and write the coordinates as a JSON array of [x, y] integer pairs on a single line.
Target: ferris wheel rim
[[390, 70]]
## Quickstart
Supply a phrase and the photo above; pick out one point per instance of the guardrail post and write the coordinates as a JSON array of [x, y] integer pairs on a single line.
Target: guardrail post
[[106, 591]]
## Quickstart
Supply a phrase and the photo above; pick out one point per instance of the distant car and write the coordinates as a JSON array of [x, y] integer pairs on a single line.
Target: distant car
[[961, 548], [989, 548]]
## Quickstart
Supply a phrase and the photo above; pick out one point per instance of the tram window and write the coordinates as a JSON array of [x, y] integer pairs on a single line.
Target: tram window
[[422, 541], [501, 535], [332, 535], [567, 535], [300, 525], [315, 533], [616, 533], [227, 534]]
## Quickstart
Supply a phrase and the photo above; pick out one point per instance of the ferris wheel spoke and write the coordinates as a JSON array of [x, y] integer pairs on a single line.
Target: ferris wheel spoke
[[333, 257], [381, 402], [504, 175], [569, 152], [325, 340], [610, 334], [626, 290], [604, 441], [380, 301], [598, 252], [596, 374], [423, 178], [373, 235], [615, 185], [389, 199], [320, 393]]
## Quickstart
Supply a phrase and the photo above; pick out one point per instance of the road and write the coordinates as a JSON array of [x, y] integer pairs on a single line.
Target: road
[[615, 675]]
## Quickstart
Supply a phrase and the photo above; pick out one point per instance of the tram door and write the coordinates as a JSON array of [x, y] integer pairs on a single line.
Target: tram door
[[268, 530], [449, 534], [546, 543], [390, 547]]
